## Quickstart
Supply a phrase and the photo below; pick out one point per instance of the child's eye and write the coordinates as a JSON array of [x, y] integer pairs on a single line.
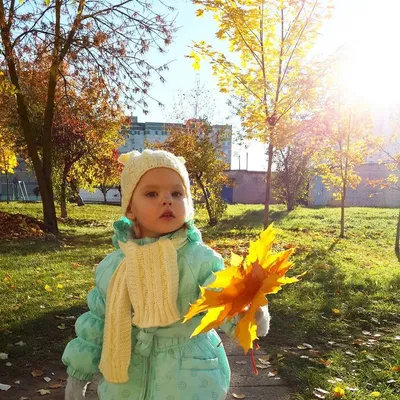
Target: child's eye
[[151, 194], [177, 194]]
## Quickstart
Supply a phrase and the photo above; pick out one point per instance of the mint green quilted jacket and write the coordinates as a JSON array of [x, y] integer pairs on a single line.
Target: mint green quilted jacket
[[165, 363]]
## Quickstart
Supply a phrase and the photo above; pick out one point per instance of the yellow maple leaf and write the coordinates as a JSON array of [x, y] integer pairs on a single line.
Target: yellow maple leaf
[[338, 392], [199, 12], [48, 288], [240, 289]]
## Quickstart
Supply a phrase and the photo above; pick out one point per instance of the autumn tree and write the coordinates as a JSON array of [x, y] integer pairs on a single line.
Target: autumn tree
[[8, 159], [345, 144], [107, 172], [268, 66], [390, 182], [86, 128], [106, 39], [290, 183], [204, 162]]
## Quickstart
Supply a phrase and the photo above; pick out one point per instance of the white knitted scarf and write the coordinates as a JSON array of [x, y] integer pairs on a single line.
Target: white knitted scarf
[[146, 280]]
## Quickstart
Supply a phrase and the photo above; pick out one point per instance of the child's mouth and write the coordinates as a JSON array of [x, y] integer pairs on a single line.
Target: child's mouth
[[167, 215]]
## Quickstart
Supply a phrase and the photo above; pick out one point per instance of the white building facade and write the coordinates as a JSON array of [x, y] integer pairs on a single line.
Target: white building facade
[[140, 132]]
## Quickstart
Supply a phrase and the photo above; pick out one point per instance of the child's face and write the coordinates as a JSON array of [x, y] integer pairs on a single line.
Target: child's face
[[159, 203]]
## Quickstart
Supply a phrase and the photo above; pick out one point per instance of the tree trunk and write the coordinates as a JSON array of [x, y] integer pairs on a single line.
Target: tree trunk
[[46, 193], [397, 243], [290, 203], [42, 171], [63, 202], [211, 220], [268, 185], [8, 197], [104, 191], [342, 211], [79, 201]]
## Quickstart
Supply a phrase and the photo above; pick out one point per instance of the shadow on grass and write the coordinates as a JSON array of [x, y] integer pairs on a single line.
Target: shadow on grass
[[88, 223], [324, 310], [45, 339], [251, 219], [51, 243]]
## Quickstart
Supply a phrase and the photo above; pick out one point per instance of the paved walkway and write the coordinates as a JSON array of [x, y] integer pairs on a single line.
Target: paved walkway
[[243, 381]]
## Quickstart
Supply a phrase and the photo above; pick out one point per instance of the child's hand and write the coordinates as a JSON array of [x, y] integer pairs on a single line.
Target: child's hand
[[263, 318], [75, 389]]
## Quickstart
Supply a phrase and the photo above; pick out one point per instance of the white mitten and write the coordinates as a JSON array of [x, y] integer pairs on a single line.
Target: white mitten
[[262, 318], [75, 389]]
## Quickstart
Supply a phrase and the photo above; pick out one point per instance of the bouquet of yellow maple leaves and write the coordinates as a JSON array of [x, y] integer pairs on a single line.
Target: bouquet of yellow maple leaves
[[241, 288]]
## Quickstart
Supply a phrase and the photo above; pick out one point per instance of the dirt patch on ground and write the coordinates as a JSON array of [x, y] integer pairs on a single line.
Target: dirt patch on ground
[[17, 226], [24, 385]]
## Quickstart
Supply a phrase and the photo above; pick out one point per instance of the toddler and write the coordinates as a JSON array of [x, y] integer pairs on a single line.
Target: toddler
[[133, 333]]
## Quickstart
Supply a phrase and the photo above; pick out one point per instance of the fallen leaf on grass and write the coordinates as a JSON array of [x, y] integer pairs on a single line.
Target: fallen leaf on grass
[[47, 379], [48, 288], [336, 311], [3, 356], [320, 393], [325, 363], [62, 326], [338, 392], [55, 386], [273, 373], [264, 361], [395, 368], [21, 343], [375, 394], [238, 396], [37, 372], [43, 392], [4, 387], [352, 389]]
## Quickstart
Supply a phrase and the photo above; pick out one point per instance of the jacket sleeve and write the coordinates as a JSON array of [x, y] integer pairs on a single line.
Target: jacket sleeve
[[82, 354]]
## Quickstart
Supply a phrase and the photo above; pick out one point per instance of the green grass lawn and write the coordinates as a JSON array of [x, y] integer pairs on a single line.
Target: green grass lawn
[[338, 327]]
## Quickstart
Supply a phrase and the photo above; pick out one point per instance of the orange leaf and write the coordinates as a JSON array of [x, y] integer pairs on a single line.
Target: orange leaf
[[240, 289], [37, 372]]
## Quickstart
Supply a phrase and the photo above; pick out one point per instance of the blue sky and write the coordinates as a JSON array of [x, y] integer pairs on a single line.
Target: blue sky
[[353, 21]]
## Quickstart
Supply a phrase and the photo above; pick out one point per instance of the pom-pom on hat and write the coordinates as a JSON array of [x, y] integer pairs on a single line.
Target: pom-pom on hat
[[137, 164]]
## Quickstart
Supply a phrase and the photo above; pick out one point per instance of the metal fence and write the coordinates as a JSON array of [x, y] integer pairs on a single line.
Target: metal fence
[[18, 191]]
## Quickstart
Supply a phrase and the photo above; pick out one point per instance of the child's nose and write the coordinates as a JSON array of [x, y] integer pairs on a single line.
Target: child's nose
[[167, 200]]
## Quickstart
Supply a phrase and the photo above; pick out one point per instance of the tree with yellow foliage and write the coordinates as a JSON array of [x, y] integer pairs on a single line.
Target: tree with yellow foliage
[[268, 67], [345, 143], [8, 160]]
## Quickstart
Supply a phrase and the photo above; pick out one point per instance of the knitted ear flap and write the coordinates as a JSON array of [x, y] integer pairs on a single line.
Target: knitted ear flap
[[124, 158]]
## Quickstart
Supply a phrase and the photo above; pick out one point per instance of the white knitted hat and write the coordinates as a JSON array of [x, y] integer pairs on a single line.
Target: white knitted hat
[[137, 164]]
